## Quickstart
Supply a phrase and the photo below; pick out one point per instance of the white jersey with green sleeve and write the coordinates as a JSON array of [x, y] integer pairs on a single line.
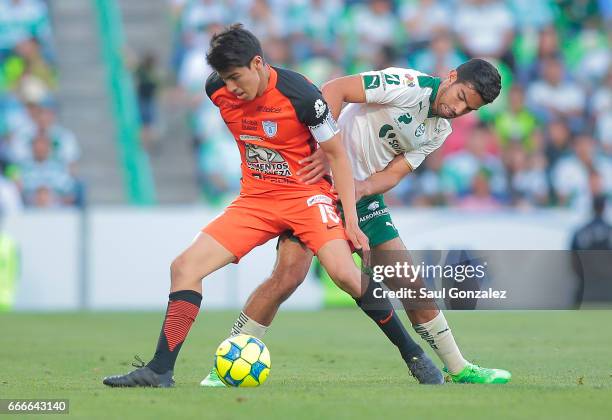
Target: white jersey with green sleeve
[[395, 119]]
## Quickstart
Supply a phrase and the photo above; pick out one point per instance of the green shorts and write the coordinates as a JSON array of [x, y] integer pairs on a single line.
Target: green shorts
[[374, 220]]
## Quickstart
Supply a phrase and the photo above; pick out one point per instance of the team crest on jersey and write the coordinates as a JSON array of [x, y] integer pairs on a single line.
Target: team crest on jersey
[[420, 130], [409, 80], [270, 128]]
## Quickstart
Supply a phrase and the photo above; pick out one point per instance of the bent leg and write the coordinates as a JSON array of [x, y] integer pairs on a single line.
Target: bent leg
[[204, 256], [293, 261], [429, 322]]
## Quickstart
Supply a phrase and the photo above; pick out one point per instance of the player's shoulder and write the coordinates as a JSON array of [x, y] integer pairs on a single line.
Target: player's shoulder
[[213, 84], [442, 128], [293, 84]]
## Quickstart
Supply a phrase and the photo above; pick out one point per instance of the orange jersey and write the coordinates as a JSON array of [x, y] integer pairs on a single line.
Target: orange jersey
[[276, 130]]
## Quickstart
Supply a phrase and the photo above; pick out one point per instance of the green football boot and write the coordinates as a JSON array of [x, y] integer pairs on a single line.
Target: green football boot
[[474, 374], [212, 380]]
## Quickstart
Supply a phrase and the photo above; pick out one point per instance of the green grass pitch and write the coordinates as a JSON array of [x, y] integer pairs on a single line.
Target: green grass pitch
[[327, 364]]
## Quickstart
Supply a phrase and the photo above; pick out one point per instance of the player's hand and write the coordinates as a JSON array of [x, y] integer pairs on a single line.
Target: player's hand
[[357, 237], [317, 166]]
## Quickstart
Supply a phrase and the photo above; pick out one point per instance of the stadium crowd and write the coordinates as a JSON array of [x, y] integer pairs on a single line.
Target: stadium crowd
[[38, 155], [546, 141]]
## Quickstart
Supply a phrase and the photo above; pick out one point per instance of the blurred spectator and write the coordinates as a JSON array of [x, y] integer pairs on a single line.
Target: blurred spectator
[[576, 13], [147, 85], [485, 29], [314, 28], [532, 15], [593, 57], [64, 145], [441, 57], [370, 27], [461, 167], [21, 20], [597, 234], [555, 97], [218, 157], [601, 110], [26, 59], [527, 182], [423, 19], [46, 182], [262, 20], [557, 138], [517, 124], [577, 176], [432, 191], [480, 197], [548, 47]]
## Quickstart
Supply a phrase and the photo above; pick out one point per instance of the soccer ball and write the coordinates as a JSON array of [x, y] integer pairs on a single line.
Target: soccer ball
[[242, 360]]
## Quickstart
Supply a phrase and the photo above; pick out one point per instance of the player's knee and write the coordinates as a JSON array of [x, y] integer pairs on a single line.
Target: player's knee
[[347, 278], [284, 282], [179, 269]]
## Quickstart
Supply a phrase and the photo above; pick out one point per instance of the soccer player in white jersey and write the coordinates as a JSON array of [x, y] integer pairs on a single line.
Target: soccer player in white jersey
[[391, 120]]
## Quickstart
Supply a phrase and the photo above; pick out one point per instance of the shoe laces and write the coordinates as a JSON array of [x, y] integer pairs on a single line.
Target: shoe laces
[[140, 363]]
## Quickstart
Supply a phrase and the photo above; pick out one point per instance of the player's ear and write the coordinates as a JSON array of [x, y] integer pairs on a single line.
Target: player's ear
[[452, 76], [257, 63]]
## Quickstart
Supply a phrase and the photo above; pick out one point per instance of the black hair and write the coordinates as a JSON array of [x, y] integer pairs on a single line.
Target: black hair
[[482, 76], [233, 47]]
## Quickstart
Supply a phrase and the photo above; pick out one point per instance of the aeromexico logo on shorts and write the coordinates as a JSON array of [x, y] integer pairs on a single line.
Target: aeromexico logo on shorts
[[264, 160], [373, 205], [373, 212], [319, 199], [269, 127]]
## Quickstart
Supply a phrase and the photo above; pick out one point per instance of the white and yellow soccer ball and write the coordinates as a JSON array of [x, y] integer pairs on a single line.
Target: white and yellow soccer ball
[[242, 360]]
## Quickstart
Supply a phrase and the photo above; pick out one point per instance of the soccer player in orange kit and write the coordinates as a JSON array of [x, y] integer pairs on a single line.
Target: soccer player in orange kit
[[277, 117]]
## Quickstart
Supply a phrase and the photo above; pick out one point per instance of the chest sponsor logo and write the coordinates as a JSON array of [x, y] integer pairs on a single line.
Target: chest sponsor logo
[[320, 108], [248, 137], [387, 134], [373, 205], [272, 109], [267, 161], [249, 125], [371, 81], [420, 130], [319, 199], [269, 128]]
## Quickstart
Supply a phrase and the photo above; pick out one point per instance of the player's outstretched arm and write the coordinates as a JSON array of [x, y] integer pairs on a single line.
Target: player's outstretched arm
[[383, 181], [343, 180]]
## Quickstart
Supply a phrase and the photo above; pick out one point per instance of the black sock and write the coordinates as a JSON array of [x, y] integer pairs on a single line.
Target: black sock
[[381, 311], [183, 307]]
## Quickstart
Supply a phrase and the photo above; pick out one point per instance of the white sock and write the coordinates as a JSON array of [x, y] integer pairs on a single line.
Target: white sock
[[439, 336], [245, 325]]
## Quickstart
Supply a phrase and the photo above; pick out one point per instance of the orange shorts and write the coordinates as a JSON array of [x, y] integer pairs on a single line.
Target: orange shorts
[[252, 220]]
